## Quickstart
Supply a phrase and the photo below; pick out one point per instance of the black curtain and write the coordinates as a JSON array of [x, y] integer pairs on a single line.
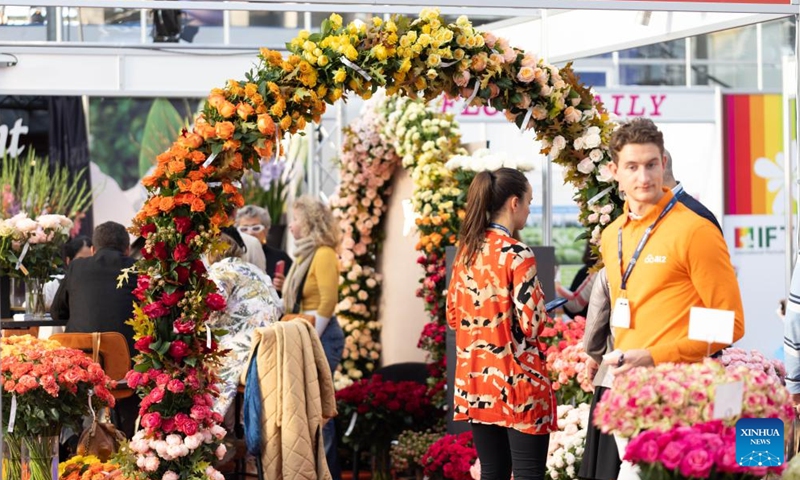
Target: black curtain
[[69, 144]]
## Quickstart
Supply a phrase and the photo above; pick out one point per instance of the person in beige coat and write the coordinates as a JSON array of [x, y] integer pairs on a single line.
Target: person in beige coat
[[289, 390]]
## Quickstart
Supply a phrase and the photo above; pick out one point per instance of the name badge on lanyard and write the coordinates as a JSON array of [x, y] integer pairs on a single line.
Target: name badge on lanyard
[[621, 316]]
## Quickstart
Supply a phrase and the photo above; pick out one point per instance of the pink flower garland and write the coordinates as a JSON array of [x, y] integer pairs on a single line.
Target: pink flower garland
[[367, 164]]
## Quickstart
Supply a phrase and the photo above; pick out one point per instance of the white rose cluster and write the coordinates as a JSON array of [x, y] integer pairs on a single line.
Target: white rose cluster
[[486, 160], [567, 444]]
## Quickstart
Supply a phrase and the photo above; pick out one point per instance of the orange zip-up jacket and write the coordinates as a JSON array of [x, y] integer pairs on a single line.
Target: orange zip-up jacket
[[684, 264], [496, 307]]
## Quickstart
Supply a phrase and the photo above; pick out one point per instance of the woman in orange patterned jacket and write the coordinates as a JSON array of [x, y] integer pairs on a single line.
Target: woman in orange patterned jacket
[[496, 305]]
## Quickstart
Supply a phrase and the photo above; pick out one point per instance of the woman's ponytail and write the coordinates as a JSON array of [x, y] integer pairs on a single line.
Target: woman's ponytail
[[476, 221]]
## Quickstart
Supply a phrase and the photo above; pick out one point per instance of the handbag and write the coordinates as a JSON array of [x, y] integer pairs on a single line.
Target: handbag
[[296, 310], [101, 439]]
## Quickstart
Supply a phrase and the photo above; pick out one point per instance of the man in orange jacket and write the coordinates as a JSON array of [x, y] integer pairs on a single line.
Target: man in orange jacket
[[662, 259]]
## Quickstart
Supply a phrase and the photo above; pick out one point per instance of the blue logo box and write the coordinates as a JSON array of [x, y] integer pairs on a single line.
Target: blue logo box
[[759, 442]]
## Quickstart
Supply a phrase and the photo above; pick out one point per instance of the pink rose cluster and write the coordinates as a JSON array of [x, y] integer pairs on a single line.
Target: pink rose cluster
[[701, 451], [754, 360], [570, 378], [367, 164], [671, 395], [165, 439]]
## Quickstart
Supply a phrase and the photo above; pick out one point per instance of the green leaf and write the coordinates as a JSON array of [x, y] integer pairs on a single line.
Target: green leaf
[[162, 127], [142, 367], [162, 348]]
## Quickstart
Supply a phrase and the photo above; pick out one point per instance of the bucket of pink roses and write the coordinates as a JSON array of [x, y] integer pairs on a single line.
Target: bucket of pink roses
[[44, 388], [667, 414]]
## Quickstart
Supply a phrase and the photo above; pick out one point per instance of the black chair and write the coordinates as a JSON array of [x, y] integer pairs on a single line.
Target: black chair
[[405, 372]]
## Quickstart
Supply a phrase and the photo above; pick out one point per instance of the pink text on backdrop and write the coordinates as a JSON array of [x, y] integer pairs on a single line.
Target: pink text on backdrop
[[484, 111], [633, 105], [620, 104]]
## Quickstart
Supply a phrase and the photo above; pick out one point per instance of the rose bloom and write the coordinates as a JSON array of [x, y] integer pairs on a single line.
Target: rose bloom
[[225, 130], [572, 114], [526, 75], [227, 109]]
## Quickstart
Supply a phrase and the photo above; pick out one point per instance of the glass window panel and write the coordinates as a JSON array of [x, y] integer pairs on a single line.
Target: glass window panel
[[652, 75], [778, 40], [594, 79], [667, 50], [773, 77], [735, 44], [741, 76]]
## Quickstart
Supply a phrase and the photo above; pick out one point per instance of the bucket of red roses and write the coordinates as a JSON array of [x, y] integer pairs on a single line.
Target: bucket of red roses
[[667, 416], [373, 412]]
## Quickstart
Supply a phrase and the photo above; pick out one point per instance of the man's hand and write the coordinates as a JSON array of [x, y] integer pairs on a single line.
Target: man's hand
[[591, 368], [278, 281], [631, 359], [796, 403]]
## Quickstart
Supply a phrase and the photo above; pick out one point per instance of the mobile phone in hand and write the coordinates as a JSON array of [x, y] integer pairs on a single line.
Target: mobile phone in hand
[[279, 267]]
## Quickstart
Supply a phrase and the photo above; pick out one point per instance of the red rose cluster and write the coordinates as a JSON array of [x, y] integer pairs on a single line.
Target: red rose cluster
[[450, 458]]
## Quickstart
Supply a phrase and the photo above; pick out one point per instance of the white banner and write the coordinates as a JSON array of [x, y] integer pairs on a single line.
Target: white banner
[[757, 247]]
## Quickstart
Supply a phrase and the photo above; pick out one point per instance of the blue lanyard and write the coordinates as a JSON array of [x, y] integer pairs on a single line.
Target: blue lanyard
[[642, 243], [500, 227]]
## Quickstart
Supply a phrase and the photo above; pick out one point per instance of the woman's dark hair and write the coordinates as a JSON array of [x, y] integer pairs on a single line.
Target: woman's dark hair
[[75, 245], [487, 194]]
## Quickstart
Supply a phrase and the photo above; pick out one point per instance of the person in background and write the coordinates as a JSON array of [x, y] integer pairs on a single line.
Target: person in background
[[251, 302], [253, 252], [255, 221], [91, 301], [689, 201], [601, 459], [578, 293], [312, 288], [496, 305], [791, 337], [78, 247]]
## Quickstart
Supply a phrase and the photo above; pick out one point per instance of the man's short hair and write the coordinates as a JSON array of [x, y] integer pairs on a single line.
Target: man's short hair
[[111, 235], [637, 131]]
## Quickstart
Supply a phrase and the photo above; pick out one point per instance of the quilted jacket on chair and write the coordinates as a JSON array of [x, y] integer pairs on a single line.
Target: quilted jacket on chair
[[297, 394]]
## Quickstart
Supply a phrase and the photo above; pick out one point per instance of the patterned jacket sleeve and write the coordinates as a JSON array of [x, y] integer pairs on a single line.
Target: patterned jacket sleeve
[[791, 335], [528, 297]]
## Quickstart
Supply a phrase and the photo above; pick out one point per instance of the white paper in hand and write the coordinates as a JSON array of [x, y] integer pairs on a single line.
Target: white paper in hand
[[728, 399], [621, 315], [711, 325]]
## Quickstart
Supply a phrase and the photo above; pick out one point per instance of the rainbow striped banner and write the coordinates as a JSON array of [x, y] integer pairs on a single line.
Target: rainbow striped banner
[[753, 128]]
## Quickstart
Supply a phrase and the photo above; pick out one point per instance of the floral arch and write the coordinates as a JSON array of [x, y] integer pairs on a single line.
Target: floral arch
[[195, 187]]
